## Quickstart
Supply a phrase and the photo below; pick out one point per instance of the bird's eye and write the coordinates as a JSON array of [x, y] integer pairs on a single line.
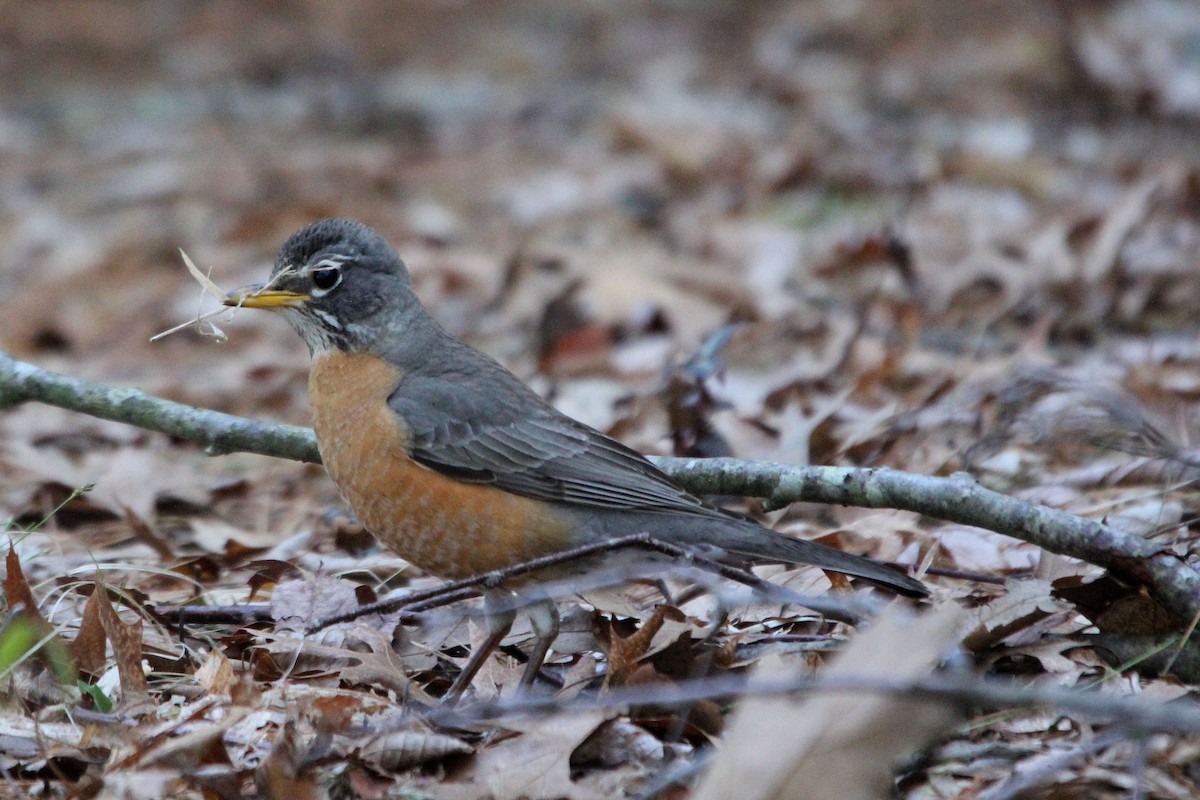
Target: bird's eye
[[326, 278]]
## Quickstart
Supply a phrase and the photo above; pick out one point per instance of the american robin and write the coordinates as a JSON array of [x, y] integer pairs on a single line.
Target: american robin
[[456, 465]]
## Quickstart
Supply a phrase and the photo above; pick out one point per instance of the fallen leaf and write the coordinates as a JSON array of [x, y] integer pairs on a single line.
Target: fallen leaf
[[624, 652], [87, 650], [126, 640], [537, 763], [398, 750], [216, 674], [17, 592], [1025, 603], [282, 775], [838, 744]]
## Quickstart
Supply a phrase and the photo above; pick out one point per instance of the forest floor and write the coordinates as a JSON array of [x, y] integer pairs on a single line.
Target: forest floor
[[948, 238]]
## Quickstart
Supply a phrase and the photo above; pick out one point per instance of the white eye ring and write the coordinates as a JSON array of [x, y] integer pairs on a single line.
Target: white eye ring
[[326, 274]]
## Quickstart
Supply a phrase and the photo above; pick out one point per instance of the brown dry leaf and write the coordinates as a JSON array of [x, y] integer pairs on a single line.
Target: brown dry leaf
[[135, 478], [124, 479], [399, 750], [625, 652], [1118, 608], [126, 640], [1059, 656], [1120, 221], [838, 744], [46, 644], [976, 550], [144, 784], [958, 236], [763, 358], [191, 739], [17, 592], [87, 650], [216, 674], [1142, 52], [382, 666], [579, 676], [538, 762], [379, 665], [282, 776], [296, 604], [1023, 604], [617, 743], [24, 740], [622, 285]]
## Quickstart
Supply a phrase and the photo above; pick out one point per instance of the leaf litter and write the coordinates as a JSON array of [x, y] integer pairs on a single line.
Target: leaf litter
[[944, 243]]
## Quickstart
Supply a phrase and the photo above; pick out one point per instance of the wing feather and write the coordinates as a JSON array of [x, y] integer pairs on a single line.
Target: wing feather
[[481, 424]]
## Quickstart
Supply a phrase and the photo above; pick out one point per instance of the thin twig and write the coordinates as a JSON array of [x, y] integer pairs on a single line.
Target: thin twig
[[457, 590], [1138, 716], [1046, 768], [210, 615]]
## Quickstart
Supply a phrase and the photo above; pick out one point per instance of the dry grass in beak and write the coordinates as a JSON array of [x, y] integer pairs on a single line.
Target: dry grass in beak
[[208, 287], [201, 320]]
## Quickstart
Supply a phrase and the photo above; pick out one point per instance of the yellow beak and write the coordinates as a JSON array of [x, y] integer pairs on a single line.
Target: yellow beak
[[256, 297]]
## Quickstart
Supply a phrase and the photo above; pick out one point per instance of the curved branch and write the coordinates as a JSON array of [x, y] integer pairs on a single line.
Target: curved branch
[[1174, 584]]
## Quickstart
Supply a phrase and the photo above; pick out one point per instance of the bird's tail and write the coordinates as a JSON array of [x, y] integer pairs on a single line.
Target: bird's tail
[[757, 543]]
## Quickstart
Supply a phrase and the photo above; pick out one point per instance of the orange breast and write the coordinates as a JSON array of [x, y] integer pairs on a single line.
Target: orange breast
[[446, 527]]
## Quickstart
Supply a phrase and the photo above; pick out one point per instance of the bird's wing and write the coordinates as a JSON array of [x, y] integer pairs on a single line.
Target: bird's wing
[[492, 429], [508, 437]]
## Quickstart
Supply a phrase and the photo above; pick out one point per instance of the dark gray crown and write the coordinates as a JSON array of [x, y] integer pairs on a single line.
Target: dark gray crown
[[347, 238]]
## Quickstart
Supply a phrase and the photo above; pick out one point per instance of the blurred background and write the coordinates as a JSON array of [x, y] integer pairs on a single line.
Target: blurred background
[[928, 235], [759, 142], [896, 201]]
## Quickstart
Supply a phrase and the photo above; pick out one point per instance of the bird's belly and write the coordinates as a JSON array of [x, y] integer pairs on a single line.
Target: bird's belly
[[446, 527]]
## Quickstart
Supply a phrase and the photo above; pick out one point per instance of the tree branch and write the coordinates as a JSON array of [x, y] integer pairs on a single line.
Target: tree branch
[[1174, 584], [960, 499], [219, 433]]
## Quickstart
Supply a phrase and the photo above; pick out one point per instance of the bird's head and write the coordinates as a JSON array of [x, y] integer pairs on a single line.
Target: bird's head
[[338, 283]]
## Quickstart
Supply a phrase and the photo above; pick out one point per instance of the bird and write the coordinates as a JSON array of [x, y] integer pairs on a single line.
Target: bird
[[460, 468]]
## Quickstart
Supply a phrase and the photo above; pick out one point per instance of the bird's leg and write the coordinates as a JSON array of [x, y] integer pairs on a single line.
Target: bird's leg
[[543, 618], [665, 591], [499, 617]]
